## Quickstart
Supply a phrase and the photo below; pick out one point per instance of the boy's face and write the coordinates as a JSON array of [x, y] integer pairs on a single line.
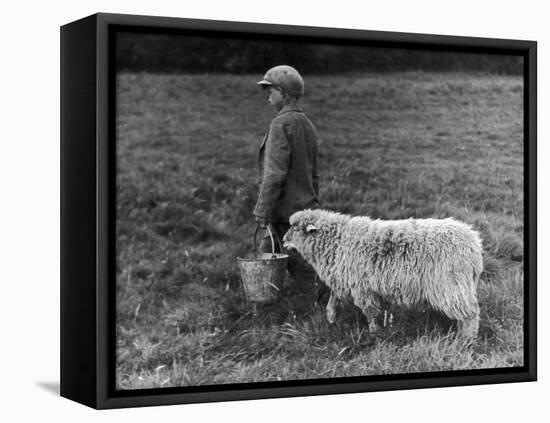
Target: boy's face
[[276, 98]]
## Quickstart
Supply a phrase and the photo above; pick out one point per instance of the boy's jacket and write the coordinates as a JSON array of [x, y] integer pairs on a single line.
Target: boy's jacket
[[289, 178]]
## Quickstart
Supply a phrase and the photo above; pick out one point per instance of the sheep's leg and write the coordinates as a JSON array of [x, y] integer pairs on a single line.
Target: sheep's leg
[[373, 326], [331, 307], [371, 313], [464, 308], [468, 328]]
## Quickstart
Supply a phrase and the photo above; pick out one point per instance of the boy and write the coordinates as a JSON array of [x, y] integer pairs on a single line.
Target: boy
[[289, 179]]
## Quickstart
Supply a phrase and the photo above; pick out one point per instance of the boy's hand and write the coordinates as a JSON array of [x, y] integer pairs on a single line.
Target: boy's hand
[[262, 222]]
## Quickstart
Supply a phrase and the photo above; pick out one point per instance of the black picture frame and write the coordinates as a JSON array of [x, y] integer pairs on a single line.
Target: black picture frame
[[88, 198]]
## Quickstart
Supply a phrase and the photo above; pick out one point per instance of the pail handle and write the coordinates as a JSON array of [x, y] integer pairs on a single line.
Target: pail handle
[[272, 235]]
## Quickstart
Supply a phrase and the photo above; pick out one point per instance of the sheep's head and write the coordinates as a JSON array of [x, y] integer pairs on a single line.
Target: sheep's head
[[302, 225], [311, 230]]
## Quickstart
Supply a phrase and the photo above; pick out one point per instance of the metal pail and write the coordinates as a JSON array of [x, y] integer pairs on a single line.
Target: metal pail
[[263, 274]]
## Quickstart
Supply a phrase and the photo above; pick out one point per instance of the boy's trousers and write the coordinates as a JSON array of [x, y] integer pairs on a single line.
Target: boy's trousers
[[307, 283]]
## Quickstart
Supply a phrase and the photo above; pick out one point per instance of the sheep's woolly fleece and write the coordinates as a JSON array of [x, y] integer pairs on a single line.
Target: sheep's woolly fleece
[[412, 262]]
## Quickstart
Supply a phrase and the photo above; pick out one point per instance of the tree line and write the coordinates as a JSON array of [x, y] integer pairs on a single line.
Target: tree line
[[194, 54]]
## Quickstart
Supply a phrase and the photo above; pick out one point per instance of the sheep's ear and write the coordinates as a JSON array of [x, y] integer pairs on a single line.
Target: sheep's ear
[[311, 228]]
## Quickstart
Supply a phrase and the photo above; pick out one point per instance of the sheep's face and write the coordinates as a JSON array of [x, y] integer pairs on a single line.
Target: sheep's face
[[297, 236], [305, 230]]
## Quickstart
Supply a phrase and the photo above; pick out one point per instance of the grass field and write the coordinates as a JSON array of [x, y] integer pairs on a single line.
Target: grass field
[[392, 146]]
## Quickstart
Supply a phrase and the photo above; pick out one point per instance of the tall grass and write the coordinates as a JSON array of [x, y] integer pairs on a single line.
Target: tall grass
[[392, 146]]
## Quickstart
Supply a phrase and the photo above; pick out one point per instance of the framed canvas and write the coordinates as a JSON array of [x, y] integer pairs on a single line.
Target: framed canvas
[[397, 171]]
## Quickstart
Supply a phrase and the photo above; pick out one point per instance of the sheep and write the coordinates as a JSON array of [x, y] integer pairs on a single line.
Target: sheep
[[409, 263]]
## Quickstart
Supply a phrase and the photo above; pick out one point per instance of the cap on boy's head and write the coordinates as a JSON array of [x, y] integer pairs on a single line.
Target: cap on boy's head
[[286, 78]]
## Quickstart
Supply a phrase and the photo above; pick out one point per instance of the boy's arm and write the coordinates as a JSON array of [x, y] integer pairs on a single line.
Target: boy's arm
[[276, 161]]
